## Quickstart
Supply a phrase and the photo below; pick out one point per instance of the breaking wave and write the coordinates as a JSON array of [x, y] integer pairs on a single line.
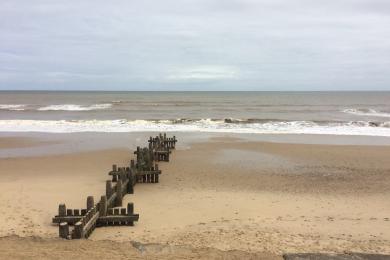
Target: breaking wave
[[12, 107], [72, 107], [366, 112], [201, 125], [62, 107]]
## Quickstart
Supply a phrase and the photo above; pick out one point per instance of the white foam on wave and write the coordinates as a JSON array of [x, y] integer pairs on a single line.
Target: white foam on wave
[[366, 112], [206, 125], [72, 107], [12, 107]]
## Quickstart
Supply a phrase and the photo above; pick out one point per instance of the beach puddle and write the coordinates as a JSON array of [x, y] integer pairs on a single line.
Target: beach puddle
[[251, 159]]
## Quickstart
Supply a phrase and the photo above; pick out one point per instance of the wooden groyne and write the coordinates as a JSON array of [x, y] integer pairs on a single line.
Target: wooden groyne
[[108, 211]]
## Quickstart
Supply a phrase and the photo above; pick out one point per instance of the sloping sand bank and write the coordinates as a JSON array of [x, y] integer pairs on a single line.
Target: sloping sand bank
[[40, 248]]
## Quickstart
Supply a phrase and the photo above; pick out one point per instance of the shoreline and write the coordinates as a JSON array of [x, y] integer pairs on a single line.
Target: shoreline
[[41, 144]]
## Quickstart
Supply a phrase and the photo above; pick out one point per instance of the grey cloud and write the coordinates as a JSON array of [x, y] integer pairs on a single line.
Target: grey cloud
[[195, 44]]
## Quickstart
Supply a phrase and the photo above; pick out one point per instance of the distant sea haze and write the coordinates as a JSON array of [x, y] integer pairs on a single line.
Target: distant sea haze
[[335, 113]]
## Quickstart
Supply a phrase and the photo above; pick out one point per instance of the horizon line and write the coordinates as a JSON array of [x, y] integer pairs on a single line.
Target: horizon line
[[74, 90]]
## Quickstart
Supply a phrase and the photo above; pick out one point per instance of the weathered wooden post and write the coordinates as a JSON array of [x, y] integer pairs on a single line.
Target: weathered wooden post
[[123, 175], [108, 189], [78, 230], [151, 155], [69, 212], [130, 187], [130, 212], [64, 230], [103, 206], [62, 210], [138, 152], [130, 209], [119, 194], [90, 202], [132, 164]]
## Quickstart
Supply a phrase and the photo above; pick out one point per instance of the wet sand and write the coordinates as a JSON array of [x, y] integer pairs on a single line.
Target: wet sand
[[22, 142], [214, 196]]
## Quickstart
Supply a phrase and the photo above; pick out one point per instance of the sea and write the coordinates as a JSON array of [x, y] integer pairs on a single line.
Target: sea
[[330, 113]]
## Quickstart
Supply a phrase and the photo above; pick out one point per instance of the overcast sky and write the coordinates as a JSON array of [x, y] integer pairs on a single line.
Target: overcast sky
[[195, 44]]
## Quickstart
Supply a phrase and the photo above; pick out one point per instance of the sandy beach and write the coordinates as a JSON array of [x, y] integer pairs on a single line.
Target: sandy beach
[[224, 129], [218, 197]]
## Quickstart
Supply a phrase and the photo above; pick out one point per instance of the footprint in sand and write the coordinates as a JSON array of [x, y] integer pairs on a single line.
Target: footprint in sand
[[330, 219]]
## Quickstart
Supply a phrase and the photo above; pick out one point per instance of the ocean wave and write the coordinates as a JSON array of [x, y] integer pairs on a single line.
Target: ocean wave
[[366, 112], [201, 125], [12, 107], [72, 107]]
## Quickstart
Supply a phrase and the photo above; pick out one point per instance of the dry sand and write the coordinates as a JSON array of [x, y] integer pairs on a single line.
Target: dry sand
[[226, 194]]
